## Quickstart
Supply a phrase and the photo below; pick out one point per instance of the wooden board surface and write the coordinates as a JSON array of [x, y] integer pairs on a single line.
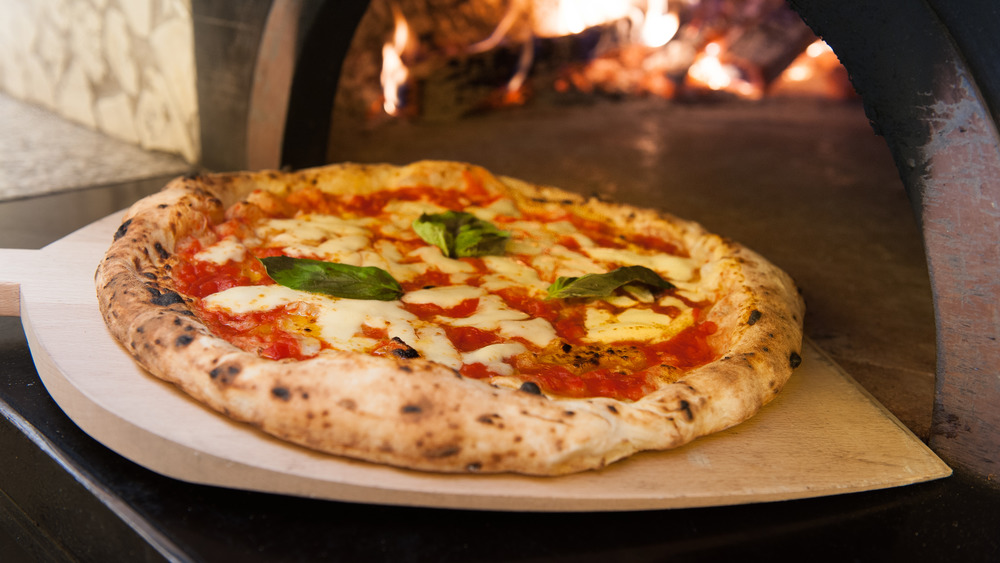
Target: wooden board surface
[[823, 435]]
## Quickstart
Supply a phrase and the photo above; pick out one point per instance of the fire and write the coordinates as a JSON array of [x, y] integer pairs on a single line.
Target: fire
[[659, 25], [394, 72], [569, 17], [805, 67], [815, 72], [637, 47], [709, 69]]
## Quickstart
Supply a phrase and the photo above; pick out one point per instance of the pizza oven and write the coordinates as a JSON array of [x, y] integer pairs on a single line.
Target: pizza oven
[[295, 83]]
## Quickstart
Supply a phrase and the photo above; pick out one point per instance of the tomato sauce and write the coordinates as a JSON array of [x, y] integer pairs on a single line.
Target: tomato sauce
[[200, 279], [257, 331], [429, 310], [518, 298], [597, 383], [469, 338], [688, 349]]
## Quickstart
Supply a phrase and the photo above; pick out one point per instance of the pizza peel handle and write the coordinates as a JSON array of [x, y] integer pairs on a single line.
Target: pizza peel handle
[[29, 275], [17, 266]]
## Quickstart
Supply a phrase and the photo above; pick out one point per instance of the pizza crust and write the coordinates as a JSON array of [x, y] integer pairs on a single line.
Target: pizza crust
[[421, 415]]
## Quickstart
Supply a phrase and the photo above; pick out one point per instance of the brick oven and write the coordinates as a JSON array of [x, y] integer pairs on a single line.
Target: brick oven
[[282, 83]]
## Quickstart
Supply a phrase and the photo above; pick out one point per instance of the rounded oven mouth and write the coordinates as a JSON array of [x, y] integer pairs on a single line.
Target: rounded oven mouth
[[924, 82]]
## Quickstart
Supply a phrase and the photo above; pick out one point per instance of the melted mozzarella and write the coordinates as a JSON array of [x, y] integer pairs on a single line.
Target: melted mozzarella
[[537, 331], [445, 297], [226, 250], [673, 267], [560, 261], [431, 255], [493, 356], [250, 298], [491, 312], [433, 343], [339, 320], [510, 272], [501, 206], [634, 325], [313, 228]]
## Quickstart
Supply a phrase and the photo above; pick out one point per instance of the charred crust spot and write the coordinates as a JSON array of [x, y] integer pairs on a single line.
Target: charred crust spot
[[755, 316], [407, 369], [406, 352], [442, 452], [225, 373], [795, 360], [474, 467], [347, 404], [183, 340], [530, 387], [569, 413], [686, 407], [765, 348], [161, 251], [122, 229], [487, 418], [566, 347], [165, 299], [282, 393], [149, 275], [613, 409], [411, 409]]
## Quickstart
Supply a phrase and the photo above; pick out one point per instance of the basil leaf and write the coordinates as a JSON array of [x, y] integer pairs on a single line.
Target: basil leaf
[[601, 285], [459, 234], [328, 278]]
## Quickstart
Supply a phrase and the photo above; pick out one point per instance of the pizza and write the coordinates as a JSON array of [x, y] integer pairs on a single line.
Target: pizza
[[439, 317]]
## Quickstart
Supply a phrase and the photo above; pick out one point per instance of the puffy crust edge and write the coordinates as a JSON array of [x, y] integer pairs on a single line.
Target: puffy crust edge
[[434, 419]]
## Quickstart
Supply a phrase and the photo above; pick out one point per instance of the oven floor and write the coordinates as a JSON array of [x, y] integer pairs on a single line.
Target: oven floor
[[806, 183]]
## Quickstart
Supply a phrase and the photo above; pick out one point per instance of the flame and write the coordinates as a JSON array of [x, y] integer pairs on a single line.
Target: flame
[[394, 71], [709, 70], [569, 17], [806, 67], [659, 25]]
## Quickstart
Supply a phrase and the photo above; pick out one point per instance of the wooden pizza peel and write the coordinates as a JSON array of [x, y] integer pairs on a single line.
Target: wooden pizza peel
[[822, 435]]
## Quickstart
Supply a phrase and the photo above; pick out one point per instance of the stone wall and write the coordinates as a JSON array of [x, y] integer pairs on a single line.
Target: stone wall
[[122, 67]]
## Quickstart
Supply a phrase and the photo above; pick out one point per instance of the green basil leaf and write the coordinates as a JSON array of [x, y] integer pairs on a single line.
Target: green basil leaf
[[601, 285], [459, 234], [328, 278]]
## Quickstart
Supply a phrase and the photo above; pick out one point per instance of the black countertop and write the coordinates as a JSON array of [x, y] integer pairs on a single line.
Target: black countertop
[[67, 497]]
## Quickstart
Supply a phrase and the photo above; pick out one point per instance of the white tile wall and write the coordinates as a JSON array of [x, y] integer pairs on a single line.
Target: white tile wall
[[122, 67]]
